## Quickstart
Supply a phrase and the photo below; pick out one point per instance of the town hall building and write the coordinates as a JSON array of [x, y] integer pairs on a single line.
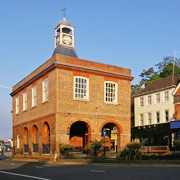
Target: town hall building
[[68, 100]]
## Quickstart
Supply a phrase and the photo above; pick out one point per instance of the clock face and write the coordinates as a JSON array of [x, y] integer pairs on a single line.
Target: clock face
[[67, 40]]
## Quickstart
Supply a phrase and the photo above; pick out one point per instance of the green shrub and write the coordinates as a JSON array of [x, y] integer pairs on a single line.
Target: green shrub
[[153, 157], [176, 144], [95, 146], [133, 145], [65, 147], [131, 152], [145, 157]]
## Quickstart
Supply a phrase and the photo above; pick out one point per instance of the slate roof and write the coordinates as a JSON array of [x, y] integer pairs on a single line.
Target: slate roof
[[66, 51], [164, 83], [64, 21]]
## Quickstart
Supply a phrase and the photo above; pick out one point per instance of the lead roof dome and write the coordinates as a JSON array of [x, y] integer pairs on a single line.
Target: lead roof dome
[[65, 22]]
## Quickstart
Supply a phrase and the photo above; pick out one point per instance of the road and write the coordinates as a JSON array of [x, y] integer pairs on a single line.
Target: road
[[10, 169]]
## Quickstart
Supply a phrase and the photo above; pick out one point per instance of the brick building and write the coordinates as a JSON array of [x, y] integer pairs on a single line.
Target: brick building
[[67, 97]]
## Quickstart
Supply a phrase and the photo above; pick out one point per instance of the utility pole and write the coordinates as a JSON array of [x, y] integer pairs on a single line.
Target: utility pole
[[174, 64], [175, 59]]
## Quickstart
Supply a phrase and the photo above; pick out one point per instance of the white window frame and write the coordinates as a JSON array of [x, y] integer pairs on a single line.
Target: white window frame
[[165, 116], [18, 141], [157, 117], [81, 88], [149, 100], [45, 90], [158, 98], [166, 96], [141, 101], [25, 101], [141, 119], [17, 105], [34, 96], [149, 118], [108, 94]]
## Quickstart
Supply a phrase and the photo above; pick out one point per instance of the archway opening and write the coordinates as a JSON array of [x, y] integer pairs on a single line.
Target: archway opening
[[34, 138], [25, 136], [111, 137], [45, 133], [26, 139], [34, 133], [79, 134]]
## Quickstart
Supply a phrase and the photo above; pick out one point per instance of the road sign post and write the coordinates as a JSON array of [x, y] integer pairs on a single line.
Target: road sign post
[[104, 135]]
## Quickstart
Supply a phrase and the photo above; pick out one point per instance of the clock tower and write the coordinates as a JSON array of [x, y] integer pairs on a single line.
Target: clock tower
[[64, 39]]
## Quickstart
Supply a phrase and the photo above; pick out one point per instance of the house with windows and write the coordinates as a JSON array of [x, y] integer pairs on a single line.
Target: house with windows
[[154, 111], [68, 100]]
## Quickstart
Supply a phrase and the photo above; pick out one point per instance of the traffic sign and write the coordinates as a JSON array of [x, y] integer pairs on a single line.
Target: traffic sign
[[104, 133]]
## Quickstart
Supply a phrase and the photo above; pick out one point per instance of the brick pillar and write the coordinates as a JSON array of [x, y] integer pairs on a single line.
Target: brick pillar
[[30, 145], [96, 136], [124, 139], [40, 144]]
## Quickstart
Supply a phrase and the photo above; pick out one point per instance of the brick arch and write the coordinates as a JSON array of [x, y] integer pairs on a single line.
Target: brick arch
[[17, 131], [25, 134], [90, 127], [33, 133], [23, 130], [45, 121], [17, 137], [46, 131], [119, 128]]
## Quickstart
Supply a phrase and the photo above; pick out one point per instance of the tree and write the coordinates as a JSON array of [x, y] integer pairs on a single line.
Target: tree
[[165, 68], [135, 88], [148, 76]]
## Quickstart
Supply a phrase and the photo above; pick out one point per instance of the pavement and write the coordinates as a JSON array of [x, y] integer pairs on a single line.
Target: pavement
[[102, 162]]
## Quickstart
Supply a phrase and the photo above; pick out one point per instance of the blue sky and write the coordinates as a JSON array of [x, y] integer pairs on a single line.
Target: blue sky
[[135, 34]]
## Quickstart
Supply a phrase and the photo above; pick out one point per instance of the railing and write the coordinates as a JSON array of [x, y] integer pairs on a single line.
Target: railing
[[35, 147], [71, 152], [26, 147], [46, 148], [155, 149]]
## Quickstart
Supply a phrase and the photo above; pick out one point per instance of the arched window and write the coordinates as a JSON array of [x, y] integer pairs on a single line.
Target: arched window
[[18, 141], [45, 90]]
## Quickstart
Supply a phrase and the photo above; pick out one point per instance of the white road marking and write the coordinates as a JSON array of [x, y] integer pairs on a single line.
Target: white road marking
[[12, 164], [98, 171], [23, 175], [38, 167]]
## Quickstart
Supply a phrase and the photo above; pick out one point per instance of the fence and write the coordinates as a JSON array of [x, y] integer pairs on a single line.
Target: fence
[[35, 147], [46, 148], [155, 149], [26, 147]]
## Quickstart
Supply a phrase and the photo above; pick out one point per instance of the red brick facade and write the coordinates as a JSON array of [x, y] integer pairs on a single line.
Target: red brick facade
[[52, 121]]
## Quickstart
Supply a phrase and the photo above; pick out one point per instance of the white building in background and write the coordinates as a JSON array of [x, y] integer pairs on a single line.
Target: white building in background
[[153, 112]]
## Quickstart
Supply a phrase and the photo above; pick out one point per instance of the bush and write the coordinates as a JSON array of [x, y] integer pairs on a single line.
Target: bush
[[176, 144], [133, 145], [131, 152], [153, 157], [95, 146], [65, 147]]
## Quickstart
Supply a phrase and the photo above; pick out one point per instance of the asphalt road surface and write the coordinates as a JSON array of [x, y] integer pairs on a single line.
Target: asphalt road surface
[[10, 170]]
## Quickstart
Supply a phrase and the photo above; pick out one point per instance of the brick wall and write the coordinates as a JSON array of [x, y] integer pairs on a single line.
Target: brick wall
[[61, 111]]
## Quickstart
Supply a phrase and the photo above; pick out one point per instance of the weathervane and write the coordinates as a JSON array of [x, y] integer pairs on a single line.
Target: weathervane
[[64, 11]]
